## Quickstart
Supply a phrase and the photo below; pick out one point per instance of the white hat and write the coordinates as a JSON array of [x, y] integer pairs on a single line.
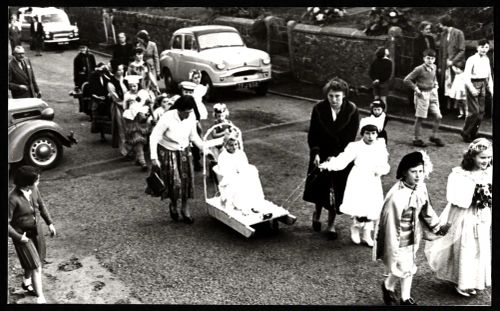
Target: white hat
[[133, 79], [368, 121], [187, 85]]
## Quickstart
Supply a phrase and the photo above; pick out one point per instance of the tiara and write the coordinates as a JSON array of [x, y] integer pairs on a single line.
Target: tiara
[[480, 144]]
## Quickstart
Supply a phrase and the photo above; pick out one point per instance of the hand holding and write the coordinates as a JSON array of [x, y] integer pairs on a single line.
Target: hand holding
[[52, 230], [449, 62], [376, 82], [474, 92], [23, 87], [24, 238], [155, 162], [418, 92], [316, 160]]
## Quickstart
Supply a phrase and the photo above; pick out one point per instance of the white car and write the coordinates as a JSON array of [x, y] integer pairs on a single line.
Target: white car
[[220, 54], [56, 25]]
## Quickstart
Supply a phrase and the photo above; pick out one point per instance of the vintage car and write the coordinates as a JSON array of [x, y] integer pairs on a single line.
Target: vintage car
[[33, 136], [220, 54], [56, 25]]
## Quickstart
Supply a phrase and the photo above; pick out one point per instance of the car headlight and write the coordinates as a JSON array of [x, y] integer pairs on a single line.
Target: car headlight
[[220, 66], [47, 114], [266, 61]]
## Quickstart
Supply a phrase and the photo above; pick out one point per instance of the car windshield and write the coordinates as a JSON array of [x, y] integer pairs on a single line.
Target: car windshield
[[219, 39], [54, 18]]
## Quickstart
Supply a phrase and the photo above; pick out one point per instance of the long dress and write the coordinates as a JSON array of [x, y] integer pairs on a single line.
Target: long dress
[[240, 184], [463, 256], [137, 128], [363, 196]]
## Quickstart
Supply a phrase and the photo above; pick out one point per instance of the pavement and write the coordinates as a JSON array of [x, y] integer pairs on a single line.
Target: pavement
[[399, 109]]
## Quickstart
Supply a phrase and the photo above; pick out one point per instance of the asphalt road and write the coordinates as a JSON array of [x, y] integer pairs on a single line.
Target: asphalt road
[[116, 245]]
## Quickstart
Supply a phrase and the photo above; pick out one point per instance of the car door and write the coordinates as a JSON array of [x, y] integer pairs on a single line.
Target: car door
[[176, 53], [189, 56]]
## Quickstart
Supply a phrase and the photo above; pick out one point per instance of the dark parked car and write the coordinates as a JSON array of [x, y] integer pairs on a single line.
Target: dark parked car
[[33, 136]]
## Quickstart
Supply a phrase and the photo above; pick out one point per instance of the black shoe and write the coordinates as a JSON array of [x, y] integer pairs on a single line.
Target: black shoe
[[173, 213], [408, 302], [332, 234], [29, 288], [187, 219], [437, 141], [389, 296], [316, 224], [466, 138], [419, 143]]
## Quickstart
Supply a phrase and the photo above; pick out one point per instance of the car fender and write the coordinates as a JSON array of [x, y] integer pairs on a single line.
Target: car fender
[[22, 132], [166, 60]]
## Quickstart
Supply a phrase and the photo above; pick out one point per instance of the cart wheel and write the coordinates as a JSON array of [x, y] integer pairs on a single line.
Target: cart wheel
[[274, 226]]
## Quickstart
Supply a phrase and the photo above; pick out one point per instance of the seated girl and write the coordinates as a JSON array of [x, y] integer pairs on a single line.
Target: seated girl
[[239, 183], [223, 127]]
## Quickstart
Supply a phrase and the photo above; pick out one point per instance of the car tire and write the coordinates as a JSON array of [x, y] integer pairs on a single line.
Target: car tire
[[41, 140], [206, 81], [168, 80], [262, 88]]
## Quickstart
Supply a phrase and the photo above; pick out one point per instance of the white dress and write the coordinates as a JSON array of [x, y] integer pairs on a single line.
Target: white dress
[[463, 255], [199, 91], [363, 194], [240, 184]]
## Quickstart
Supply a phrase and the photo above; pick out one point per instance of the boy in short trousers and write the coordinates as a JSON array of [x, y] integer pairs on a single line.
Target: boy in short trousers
[[424, 83]]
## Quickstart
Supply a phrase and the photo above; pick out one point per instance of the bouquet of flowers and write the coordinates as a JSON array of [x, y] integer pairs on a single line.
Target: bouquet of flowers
[[323, 15], [482, 196]]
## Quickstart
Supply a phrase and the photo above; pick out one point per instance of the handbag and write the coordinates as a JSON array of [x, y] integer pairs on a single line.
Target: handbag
[[155, 184]]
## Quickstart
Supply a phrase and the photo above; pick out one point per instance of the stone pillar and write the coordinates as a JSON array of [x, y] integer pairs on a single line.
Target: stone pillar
[[268, 20], [290, 25]]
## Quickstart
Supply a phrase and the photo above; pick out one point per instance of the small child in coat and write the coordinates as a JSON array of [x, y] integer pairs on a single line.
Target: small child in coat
[[379, 117], [407, 216], [370, 158]]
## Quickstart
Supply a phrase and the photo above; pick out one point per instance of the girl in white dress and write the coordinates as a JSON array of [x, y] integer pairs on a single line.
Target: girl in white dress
[[363, 197], [240, 185], [464, 255]]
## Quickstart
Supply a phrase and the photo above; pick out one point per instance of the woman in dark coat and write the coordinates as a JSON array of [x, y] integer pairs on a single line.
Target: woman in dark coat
[[423, 41], [334, 124], [25, 227]]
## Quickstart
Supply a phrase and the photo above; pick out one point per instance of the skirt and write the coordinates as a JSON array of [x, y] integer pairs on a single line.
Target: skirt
[[177, 173], [137, 131], [28, 255], [101, 117]]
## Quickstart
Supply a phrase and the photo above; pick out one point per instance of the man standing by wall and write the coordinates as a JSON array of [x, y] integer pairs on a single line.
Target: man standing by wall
[[452, 53], [37, 35], [22, 83], [123, 52]]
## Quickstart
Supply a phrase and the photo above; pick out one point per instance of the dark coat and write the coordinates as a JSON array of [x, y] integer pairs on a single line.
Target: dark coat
[[14, 35], [420, 44], [18, 77], [454, 50], [26, 217], [123, 54], [83, 67], [328, 138], [38, 34]]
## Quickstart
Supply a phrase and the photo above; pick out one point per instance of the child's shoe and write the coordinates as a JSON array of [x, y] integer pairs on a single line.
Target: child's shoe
[[462, 292], [355, 234], [367, 237], [437, 141], [389, 296], [419, 143]]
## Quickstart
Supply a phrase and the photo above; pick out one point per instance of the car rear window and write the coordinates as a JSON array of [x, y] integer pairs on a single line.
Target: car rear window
[[54, 18]]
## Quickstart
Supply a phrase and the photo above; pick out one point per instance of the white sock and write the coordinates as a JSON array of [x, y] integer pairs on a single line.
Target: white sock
[[406, 288], [27, 281]]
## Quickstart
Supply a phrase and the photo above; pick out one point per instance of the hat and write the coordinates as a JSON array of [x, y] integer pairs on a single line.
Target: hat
[[368, 124], [101, 66], [479, 144], [231, 135], [133, 79], [187, 85], [377, 104], [412, 160], [219, 108]]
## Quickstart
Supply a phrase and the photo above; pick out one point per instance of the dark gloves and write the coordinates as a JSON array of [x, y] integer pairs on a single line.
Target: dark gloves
[[444, 229]]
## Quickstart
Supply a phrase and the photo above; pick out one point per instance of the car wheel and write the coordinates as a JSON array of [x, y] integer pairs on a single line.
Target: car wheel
[[206, 81], [262, 88], [168, 80], [43, 150]]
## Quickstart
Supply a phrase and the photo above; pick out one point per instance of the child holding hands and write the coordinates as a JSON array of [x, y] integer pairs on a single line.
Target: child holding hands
[[370, 158]]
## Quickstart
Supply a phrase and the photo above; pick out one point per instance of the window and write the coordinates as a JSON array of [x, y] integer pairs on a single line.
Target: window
[[177, 43], [219, 39], [54, 18], [188, 42]]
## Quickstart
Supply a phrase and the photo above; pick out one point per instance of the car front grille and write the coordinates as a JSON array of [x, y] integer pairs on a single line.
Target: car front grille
[[26, 114], [245, 73]]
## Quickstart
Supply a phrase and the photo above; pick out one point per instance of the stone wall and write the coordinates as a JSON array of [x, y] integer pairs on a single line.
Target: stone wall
[[160, 28], [320, 53]]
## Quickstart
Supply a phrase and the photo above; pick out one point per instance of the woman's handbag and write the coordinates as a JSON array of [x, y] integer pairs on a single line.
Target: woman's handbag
[[155, 183]]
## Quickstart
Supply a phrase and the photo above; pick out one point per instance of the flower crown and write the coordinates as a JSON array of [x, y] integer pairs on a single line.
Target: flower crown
[[479, 145]]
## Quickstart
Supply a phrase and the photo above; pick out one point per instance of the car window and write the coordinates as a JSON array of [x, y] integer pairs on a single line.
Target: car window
[[177, 43], [188, 42], [219, 39], [54, 18]]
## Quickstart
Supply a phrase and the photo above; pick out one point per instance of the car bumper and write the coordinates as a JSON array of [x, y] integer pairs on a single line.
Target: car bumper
[[236, 79], [61, 40]]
